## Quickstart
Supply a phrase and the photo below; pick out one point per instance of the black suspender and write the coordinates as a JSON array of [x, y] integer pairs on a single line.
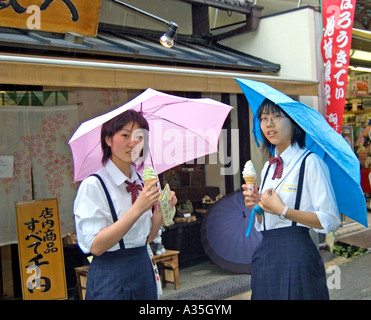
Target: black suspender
[[300, 185], [110, 203]]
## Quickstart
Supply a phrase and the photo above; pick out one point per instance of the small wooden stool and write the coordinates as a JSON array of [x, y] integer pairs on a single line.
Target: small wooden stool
[[81, 276], [168, 260]]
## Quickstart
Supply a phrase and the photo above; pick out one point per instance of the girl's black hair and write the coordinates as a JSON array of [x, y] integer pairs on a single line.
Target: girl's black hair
[[297, 135], [116, 124]]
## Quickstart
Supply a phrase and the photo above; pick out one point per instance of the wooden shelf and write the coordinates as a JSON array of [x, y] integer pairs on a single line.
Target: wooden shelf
[[358, 111], [192, 184]]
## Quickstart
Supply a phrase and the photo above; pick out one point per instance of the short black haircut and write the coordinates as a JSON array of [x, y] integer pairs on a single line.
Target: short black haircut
[[116, 124], [298, 134]]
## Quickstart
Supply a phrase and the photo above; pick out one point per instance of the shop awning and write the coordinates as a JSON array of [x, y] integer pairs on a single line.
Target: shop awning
[[117, 60]]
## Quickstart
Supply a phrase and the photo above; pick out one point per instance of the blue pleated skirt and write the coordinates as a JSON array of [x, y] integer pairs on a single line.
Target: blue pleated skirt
[[125, 274], [286, 265]]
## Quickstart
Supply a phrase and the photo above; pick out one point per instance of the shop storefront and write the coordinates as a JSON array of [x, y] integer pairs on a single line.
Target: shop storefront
[[357, 114], [51, 82], [68, 92]]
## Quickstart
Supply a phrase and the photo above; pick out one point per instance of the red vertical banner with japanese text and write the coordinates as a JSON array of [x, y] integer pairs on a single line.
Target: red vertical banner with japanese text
[[338, 16]]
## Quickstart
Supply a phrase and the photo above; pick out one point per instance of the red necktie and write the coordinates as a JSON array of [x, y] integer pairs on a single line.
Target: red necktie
[[279, 167], [133, 188]]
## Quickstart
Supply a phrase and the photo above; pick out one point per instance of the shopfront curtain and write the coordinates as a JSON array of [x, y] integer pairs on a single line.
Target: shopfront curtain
[[36, 139]]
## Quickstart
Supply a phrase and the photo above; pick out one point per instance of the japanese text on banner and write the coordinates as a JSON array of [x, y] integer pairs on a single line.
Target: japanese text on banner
[[338, 16]]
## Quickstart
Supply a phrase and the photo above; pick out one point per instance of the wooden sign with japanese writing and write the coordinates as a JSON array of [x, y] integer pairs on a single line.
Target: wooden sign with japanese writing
[[40, 250], [78, 16]]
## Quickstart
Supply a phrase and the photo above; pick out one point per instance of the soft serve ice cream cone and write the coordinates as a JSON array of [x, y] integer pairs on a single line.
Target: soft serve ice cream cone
[[249, 175], [149, 175]]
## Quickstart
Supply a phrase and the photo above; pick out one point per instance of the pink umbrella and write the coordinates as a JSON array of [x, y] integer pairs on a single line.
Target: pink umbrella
[[180, 130]]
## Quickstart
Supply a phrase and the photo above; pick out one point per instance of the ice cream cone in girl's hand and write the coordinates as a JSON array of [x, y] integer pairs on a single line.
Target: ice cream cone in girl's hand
[[149, 175], [249, 175]]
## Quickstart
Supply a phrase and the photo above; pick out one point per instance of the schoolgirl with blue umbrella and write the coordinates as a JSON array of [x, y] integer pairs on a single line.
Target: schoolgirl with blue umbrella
[[295, 194]]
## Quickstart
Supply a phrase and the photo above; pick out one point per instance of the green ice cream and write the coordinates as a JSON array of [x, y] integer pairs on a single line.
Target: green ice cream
[[149, 174]]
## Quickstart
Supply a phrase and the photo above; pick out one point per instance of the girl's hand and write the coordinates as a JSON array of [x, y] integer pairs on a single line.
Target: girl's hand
[[147, 197], [271, 202], [173, 199], [251, 198]]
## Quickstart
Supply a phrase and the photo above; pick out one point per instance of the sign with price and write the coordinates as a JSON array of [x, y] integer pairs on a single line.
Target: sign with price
[[40, 250]]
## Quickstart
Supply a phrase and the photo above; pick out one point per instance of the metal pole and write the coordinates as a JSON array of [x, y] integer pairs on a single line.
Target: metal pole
[[141, 11]]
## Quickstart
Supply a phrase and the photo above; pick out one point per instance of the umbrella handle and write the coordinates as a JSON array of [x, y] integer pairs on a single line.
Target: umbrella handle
[[256, 210]]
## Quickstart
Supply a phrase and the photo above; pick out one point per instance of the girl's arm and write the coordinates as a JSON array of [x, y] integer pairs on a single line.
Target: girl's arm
[[271, 202], [156, 223], [107, 237], [252, 199]]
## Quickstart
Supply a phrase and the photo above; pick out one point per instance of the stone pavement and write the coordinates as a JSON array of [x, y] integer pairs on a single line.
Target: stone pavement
[[348, 279], [206, 281], [355, 275]]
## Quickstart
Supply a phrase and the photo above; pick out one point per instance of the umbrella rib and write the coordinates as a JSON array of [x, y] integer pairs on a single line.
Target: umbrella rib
[[157, 108]]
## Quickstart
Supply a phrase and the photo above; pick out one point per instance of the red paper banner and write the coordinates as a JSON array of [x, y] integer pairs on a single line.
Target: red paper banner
[[338, 16]]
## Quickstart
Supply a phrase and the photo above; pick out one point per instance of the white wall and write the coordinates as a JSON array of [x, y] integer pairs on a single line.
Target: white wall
[[171, 10], [287, 39], [274, 6]]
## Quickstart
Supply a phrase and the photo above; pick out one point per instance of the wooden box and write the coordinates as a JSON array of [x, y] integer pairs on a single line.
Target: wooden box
[[81, 277]]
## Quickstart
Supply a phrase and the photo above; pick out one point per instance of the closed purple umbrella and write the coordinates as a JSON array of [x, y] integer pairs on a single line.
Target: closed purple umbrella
[[223, 234]]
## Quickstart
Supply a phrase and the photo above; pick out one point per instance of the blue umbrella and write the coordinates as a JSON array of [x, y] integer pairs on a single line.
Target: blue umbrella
[[223, 234], [321, 139]]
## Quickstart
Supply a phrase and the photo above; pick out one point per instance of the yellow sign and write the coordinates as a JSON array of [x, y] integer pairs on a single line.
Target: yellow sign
[[40, 250], [77, 16]]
